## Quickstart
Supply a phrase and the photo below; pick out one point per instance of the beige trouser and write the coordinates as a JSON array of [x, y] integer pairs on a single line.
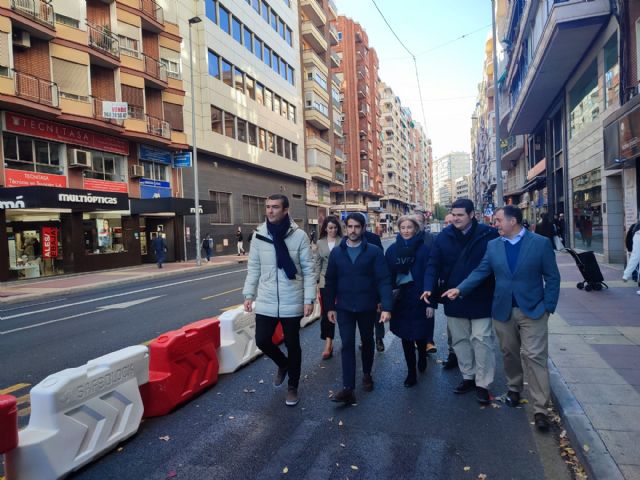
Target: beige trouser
[[523, 338], [472, 340]]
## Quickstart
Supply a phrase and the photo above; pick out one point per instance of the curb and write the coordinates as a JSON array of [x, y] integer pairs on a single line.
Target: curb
[[84, 288], [597, 460]]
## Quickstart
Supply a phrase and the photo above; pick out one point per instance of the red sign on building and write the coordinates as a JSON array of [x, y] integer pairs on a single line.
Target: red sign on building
[[59, 132], [49, 242], [105, 185], [21, 178]]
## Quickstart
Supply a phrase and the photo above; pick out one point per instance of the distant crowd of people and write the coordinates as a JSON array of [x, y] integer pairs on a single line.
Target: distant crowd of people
[[503, 280]]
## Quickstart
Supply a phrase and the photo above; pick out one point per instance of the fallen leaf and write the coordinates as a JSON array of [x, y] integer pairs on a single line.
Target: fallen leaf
[[165, 438], [285, 470], [466, 469], [340, 423], [120, 449], [353, 467], [260, 381], [585, 447], [563, 434], [482, 476], [231, 417], [342, 445], [524, 401]]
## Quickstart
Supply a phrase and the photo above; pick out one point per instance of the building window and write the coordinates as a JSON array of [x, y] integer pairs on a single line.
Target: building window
[[289, 37], [229, 125], [216, 120], [251, 87], [253, 209], [611, 71], [238, 79], [210, 10], [259, 93], [274, 20], [129, 46], [280, 146], [275, 62], [227, 76], [265, 11], [281, 28], [155, 171], [135, 99], [68, 21], [256, 5], [287, 149], [24, 153], [587, 211], [173, 115], [290, 78], [271, 142], [292, 113], [584, 100], [283, 69], [72, 79], [248, 39], [294, 152], [242, 130], [267, 55], [225, 23], [214, 65], [236, 30], [257, 43], [222, 207], [253, 134], [276, 103], [262, 139], [268, 99], [105, 166]]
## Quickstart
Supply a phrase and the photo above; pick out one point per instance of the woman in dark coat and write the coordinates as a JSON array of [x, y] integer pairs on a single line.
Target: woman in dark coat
[[410, 320]]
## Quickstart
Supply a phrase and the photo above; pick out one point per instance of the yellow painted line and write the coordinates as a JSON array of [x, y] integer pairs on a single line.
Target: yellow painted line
[[14, 388], [23, 412], [230, 308], [23, 399], [147, 342], [221, 294]]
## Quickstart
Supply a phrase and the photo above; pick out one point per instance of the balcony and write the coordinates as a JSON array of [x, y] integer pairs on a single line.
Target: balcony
[[315, 116], [158, 127], [103, 42], [313, 12], [35, 16], [318, 143], [313, 37], [317, 85], [335, 60], [156, 72], [570, 27], [334, 39], [37, 90], [511, 149], [339, 155], [319, 164], [337, 127], [333, 9], [311, 59], [152, 16], [97, 112]]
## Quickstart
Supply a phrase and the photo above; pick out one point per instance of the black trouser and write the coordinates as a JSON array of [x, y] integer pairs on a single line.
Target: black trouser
[[379, 328], [265, 327], [347, 322], [409, 347], [327, 329]]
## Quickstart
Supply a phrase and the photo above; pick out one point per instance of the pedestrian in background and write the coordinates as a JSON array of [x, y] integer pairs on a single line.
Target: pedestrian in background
[[159, 247], [411, 321], [330, 237], [458, 249], [545, 228], [240, 241], [281, 278], [206, 246], [374, 239], [634, 260], [357, 278], [527, 290]]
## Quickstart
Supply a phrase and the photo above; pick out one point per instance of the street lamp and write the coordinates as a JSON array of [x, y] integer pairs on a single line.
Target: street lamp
[[196, 188], [496, 103]]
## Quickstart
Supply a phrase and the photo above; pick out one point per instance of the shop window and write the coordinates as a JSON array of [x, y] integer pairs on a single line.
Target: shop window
[[611, 71], [106, 166], [25, 153], [587, 211], [155, 171], [584, 100], [222, 207], [216, 120], [253, 209], [102, 235]]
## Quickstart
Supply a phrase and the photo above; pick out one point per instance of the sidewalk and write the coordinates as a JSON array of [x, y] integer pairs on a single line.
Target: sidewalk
[[42, 287], [594, 347]]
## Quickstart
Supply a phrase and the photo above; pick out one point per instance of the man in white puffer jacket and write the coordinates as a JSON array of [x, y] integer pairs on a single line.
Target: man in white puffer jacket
[[634, 260], [281, 279]]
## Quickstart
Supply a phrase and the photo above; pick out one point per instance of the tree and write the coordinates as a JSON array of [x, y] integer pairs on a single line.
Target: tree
[[439, 211]]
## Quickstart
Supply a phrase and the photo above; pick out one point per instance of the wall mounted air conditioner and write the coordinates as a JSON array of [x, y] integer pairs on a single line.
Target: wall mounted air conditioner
[[79, 158], [136, 171], [20, 38]]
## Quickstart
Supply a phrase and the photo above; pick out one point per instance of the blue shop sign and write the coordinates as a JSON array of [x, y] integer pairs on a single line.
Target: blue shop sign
[[182, 160], [154, 188], [152, 154]]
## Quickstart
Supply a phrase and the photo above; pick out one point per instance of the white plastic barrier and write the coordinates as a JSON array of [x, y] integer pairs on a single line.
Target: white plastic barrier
[[315, 315], [80, 413], [237, 339]]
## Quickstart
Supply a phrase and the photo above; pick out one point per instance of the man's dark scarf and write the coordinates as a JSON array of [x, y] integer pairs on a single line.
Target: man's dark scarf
[[278, 231]]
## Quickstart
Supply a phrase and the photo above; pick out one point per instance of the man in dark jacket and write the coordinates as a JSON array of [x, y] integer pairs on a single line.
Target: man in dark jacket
[[357, 279], [457, 250]]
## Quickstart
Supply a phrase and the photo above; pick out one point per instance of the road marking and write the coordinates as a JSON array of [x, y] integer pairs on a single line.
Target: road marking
[[122, 294], [223, 293], [31, 305], [23, 399], [231, 307], [24, 412], [28, 327], [14, 388], [114, 306]]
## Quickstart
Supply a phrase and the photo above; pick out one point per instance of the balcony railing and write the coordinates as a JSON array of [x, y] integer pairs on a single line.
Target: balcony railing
[[154, 68], [508, 144], [101, 38], [158, 127], [38, 10], [36, 89], [152, 9], [137, 113], [97, 111]]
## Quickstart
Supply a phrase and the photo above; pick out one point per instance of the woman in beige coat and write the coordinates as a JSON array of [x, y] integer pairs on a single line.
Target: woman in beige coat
[[330, 236]]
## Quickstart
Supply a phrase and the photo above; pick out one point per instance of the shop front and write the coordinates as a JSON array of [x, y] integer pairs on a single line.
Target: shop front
[[48, 231]]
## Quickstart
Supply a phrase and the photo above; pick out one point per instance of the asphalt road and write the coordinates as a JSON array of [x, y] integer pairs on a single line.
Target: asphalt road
[[241, 428]]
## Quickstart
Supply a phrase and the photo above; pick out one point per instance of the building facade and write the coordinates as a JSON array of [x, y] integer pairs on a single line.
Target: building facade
[[445, 170], [86, 184]]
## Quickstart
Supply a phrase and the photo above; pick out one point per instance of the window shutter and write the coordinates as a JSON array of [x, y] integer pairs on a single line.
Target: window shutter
[[71, 77], [133, 96], [170, 55], [69, 9], [4, 49], [173, 115], [128, 30]]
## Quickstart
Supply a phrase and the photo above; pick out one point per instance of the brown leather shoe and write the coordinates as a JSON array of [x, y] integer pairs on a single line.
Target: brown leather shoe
[[367, 382], [345, 396]]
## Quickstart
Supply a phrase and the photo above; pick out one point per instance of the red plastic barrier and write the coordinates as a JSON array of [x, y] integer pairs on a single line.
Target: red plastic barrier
[[8, 423], [278, 335], [182, 363]]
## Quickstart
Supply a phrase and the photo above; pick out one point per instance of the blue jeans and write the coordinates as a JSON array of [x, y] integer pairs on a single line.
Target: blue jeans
[[347, 322]]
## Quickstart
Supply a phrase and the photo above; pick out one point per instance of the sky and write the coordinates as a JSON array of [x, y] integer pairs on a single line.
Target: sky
[[449, 74]]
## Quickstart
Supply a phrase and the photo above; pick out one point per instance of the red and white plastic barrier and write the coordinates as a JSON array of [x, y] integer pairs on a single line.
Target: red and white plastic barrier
[[182, 363], [8, 423], [80, 413]]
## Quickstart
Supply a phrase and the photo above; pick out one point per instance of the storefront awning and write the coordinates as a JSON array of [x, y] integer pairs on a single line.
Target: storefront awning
[[179, 206], [62, 198], [536, 183]]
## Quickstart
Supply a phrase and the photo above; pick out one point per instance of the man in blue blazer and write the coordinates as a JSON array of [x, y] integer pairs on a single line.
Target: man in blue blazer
[[527, 290]]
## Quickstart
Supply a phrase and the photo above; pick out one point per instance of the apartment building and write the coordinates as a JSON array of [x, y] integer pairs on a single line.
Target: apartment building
[[445, 170], [248, 113], [322, 106], [358, 73], [461, 187], [422, 168], [86, 184], [562, 80]]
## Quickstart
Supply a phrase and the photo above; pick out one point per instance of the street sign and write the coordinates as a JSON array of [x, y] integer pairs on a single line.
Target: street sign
[[182, 160], [115, 110]]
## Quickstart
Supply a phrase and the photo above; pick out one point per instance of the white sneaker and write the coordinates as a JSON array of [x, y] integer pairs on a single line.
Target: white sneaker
[[638, 292]]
